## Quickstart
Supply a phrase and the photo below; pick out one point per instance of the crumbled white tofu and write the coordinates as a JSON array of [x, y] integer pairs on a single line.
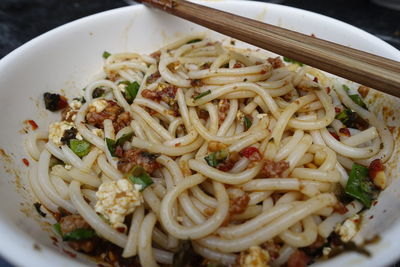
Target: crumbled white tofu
[[98, 132], [116, 199], [326, 251], [262, 115], [254, 257], [138, 186], [239, 115], [68, 167], [349, 228], [380, 180], [122, 87], [57, 129], [98, 105], [78, 136], [75, 104]]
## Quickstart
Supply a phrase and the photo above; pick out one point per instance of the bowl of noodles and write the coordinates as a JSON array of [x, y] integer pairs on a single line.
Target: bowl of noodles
[[134, 138]]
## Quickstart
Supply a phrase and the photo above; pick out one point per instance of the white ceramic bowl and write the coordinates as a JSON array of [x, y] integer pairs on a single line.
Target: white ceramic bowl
[[68, 57]]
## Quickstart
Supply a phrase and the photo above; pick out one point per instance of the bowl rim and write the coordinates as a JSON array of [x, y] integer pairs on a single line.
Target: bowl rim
[[12, 251]]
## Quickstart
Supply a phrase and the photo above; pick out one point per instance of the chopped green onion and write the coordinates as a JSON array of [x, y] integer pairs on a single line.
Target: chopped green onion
[[140, 177], [57, 228], [106, 54], [75, 235], [356, 98], [286, 59], [131, 91], [111, 145], [124, 138], [202, 94], [79, 234], [211, 160], [345, 116], [215, 158], [247, 122], [194, 41], [359, 185], [79, 147]]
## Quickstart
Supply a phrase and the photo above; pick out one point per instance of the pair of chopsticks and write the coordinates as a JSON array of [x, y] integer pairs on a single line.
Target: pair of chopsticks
[[374, 71]]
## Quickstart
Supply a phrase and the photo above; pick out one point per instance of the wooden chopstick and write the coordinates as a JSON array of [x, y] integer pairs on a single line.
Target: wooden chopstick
[[371, 70]]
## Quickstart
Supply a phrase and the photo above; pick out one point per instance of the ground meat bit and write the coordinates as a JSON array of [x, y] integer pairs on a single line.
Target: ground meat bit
[[123, 120], [227, 164], [345, 131], [203, 114], [272, 248], [363, 90], [112, 112], [340, 208], [86, 246], [54, 102], [238, 65], [223, 107], [133, 157], [298, 259], [272, 169], [276, 62], [196, 83], [166, 94], [206, 65], [153, 77], [315, 249], [67, 114], [156, 55], [239, 204], [68, 135], [70, 223], [252, 153]]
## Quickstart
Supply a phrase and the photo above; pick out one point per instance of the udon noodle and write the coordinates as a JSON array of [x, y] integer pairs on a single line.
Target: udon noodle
[[245, 155]]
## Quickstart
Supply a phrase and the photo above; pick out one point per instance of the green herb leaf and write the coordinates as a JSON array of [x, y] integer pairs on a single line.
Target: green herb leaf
[[111, 145], [106, 54], [79, 234], [141, 177], [345, 115], [124, 138], [57, 228], [356, 98], [80, 147], [131, 91], [247, 122], [359, 185], [202, 94], [217, 157], [194, 41], [289, 60]]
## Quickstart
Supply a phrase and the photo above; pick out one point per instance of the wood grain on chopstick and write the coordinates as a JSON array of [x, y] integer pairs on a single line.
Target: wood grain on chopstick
[[377, 72]]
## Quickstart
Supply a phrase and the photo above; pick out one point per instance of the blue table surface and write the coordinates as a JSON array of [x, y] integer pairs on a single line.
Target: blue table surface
[[22, 20]]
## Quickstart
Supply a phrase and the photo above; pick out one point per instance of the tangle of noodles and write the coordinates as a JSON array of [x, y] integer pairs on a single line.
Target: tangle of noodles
[[241, 154]]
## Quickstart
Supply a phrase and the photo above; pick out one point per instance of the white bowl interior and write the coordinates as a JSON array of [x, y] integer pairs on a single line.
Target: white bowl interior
[[68, 57]]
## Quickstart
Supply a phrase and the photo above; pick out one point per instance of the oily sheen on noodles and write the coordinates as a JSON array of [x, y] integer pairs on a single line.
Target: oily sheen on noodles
[[229, 152]]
